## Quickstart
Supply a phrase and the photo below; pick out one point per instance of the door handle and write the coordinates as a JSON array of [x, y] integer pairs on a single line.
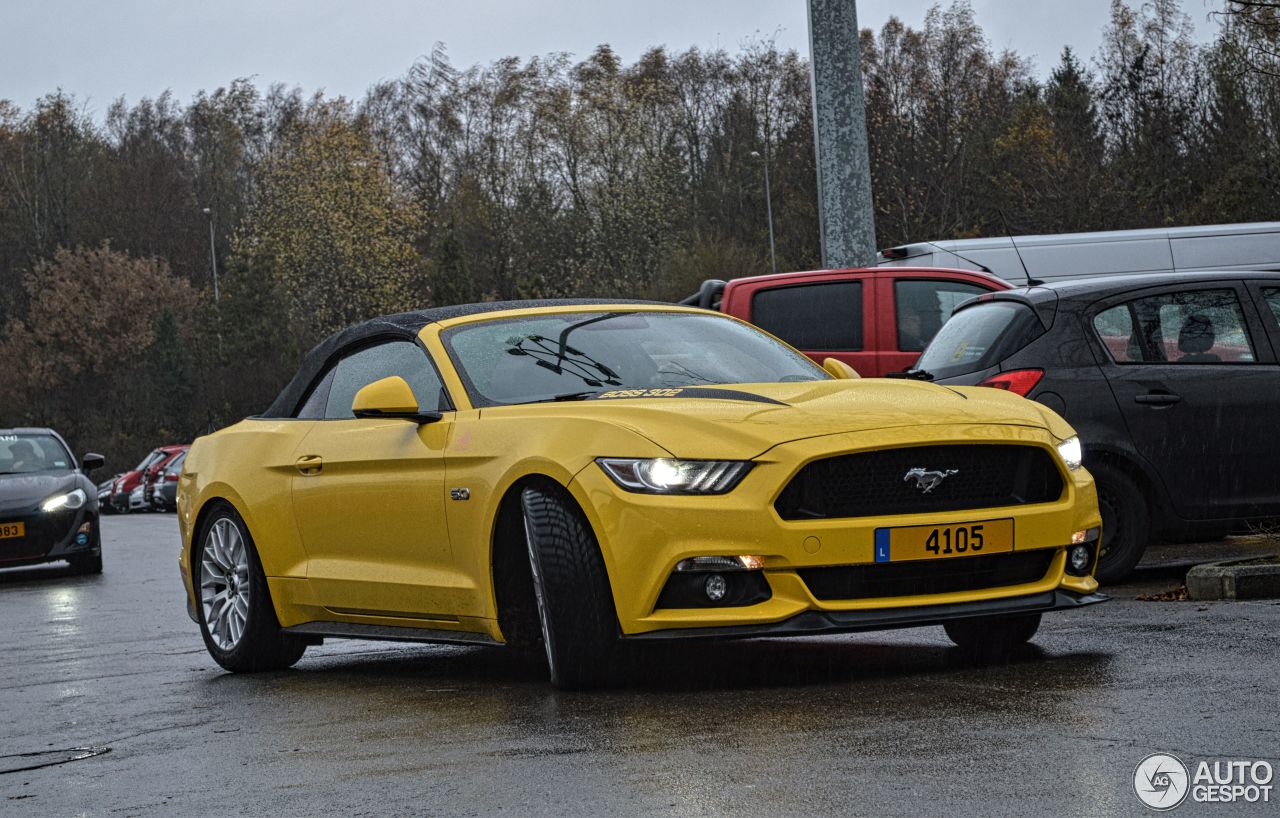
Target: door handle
[[1157, 399], [310, 464]]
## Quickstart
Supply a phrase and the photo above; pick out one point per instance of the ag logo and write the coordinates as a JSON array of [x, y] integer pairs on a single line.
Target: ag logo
[[1161, 781]]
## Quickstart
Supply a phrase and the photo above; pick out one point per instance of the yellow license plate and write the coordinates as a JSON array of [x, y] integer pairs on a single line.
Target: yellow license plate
[[8, 530], [931, 542]]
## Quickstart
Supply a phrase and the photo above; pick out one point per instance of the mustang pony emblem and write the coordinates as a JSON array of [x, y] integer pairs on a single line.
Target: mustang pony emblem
[[927, 481]]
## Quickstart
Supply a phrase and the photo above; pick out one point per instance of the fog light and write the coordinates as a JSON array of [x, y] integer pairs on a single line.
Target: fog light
[[1079, 558], [716, 587]]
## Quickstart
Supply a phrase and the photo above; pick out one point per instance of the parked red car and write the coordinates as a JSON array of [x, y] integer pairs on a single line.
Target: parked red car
[[161, 489], [151, 464], [876, 319]]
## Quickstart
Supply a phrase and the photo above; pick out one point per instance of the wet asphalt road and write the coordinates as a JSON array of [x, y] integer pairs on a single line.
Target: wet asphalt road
[[870, 724]]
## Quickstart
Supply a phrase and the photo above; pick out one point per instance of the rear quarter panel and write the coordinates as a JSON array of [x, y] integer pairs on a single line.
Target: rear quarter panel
[[249, 465]]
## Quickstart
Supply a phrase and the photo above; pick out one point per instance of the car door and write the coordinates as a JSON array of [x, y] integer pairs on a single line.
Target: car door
[[368, 493], [1197, 383]]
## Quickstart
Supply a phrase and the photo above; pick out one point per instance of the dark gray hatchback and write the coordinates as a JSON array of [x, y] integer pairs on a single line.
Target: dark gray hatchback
[[1172, 381]]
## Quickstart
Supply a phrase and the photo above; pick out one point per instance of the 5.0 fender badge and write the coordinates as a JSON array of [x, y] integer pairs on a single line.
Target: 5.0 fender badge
[[460, 494], [927, 481]]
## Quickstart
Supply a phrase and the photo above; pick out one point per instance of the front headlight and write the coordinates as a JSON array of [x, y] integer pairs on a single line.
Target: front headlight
[[670, 476], [72, 499], [1071, 452]]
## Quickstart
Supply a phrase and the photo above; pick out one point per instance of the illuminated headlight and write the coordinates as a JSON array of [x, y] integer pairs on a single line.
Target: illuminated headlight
[[72, 500], [1071, 452], [670, 476]]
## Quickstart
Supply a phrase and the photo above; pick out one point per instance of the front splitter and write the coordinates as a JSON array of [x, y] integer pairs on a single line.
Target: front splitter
[[810, 623]]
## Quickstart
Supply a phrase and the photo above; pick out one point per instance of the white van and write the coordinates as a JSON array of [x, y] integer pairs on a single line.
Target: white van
[[1055, 257]]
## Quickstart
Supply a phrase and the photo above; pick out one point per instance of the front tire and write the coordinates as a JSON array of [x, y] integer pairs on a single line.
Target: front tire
[[1124, 523], [236, 616], [575, 603], [993, 635]]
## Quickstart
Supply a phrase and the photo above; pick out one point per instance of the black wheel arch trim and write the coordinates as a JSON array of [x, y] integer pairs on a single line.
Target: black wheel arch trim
[[1136, 466]]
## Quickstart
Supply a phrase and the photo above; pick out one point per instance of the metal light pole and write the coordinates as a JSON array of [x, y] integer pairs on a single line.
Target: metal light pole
[[768, 204], [213, 255], [845, 215]]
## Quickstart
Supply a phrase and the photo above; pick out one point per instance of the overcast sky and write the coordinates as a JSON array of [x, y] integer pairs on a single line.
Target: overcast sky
[[99, 50]]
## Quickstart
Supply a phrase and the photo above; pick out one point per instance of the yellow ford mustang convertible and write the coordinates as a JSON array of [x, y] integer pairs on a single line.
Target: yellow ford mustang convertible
[[573, 476]]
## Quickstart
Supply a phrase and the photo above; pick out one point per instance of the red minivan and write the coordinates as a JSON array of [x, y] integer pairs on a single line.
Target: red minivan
[[876, 319]]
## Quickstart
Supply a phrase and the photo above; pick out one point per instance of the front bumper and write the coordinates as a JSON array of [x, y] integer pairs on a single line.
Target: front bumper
[[165, 496], [643, 537], [50, 536]]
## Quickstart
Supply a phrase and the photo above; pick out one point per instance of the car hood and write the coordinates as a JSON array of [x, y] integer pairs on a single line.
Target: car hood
[[744, 421], [22, 492]]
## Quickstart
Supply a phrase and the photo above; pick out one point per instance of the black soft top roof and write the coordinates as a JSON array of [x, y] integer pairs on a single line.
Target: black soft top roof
[[406, 326]]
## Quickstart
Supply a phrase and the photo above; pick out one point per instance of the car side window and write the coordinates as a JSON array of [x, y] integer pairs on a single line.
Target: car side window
[[1191, 327], [1115, 330], [313, 407], [814, 317], [923, 306], [363, 367]]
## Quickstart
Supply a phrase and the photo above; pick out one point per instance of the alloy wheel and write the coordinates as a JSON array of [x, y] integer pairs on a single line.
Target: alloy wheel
[[224, 583]]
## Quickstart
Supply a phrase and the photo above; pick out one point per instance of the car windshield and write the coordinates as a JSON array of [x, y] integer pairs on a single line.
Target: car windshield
[[573, 355], [176, 466], [149, 460], [26, 452], [978, 338]]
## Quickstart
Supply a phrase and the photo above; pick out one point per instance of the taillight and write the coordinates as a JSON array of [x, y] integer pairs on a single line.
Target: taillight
[[172, 478], [1017, 381]]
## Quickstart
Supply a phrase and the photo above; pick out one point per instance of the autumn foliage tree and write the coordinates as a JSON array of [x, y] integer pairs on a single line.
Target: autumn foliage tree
[[331, 228], [102, 349]]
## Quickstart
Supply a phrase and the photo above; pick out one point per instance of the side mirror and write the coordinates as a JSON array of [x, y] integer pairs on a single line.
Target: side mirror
[[839, 369], [92, 461], [390, 398]]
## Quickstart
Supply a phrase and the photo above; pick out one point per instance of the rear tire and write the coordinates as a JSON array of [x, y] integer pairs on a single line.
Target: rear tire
[[1124, 523], [575, 603], [231, 590], [993, 635]]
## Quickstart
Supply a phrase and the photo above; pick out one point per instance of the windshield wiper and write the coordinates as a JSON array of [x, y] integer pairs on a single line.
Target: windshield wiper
[[911, 374], [568, 396], [564, 359]]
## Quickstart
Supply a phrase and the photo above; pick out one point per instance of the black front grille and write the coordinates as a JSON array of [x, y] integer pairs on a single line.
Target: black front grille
[[877, 483], [941, 576]]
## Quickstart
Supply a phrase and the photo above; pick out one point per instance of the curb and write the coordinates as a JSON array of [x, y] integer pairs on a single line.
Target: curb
[[1236, 579]]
